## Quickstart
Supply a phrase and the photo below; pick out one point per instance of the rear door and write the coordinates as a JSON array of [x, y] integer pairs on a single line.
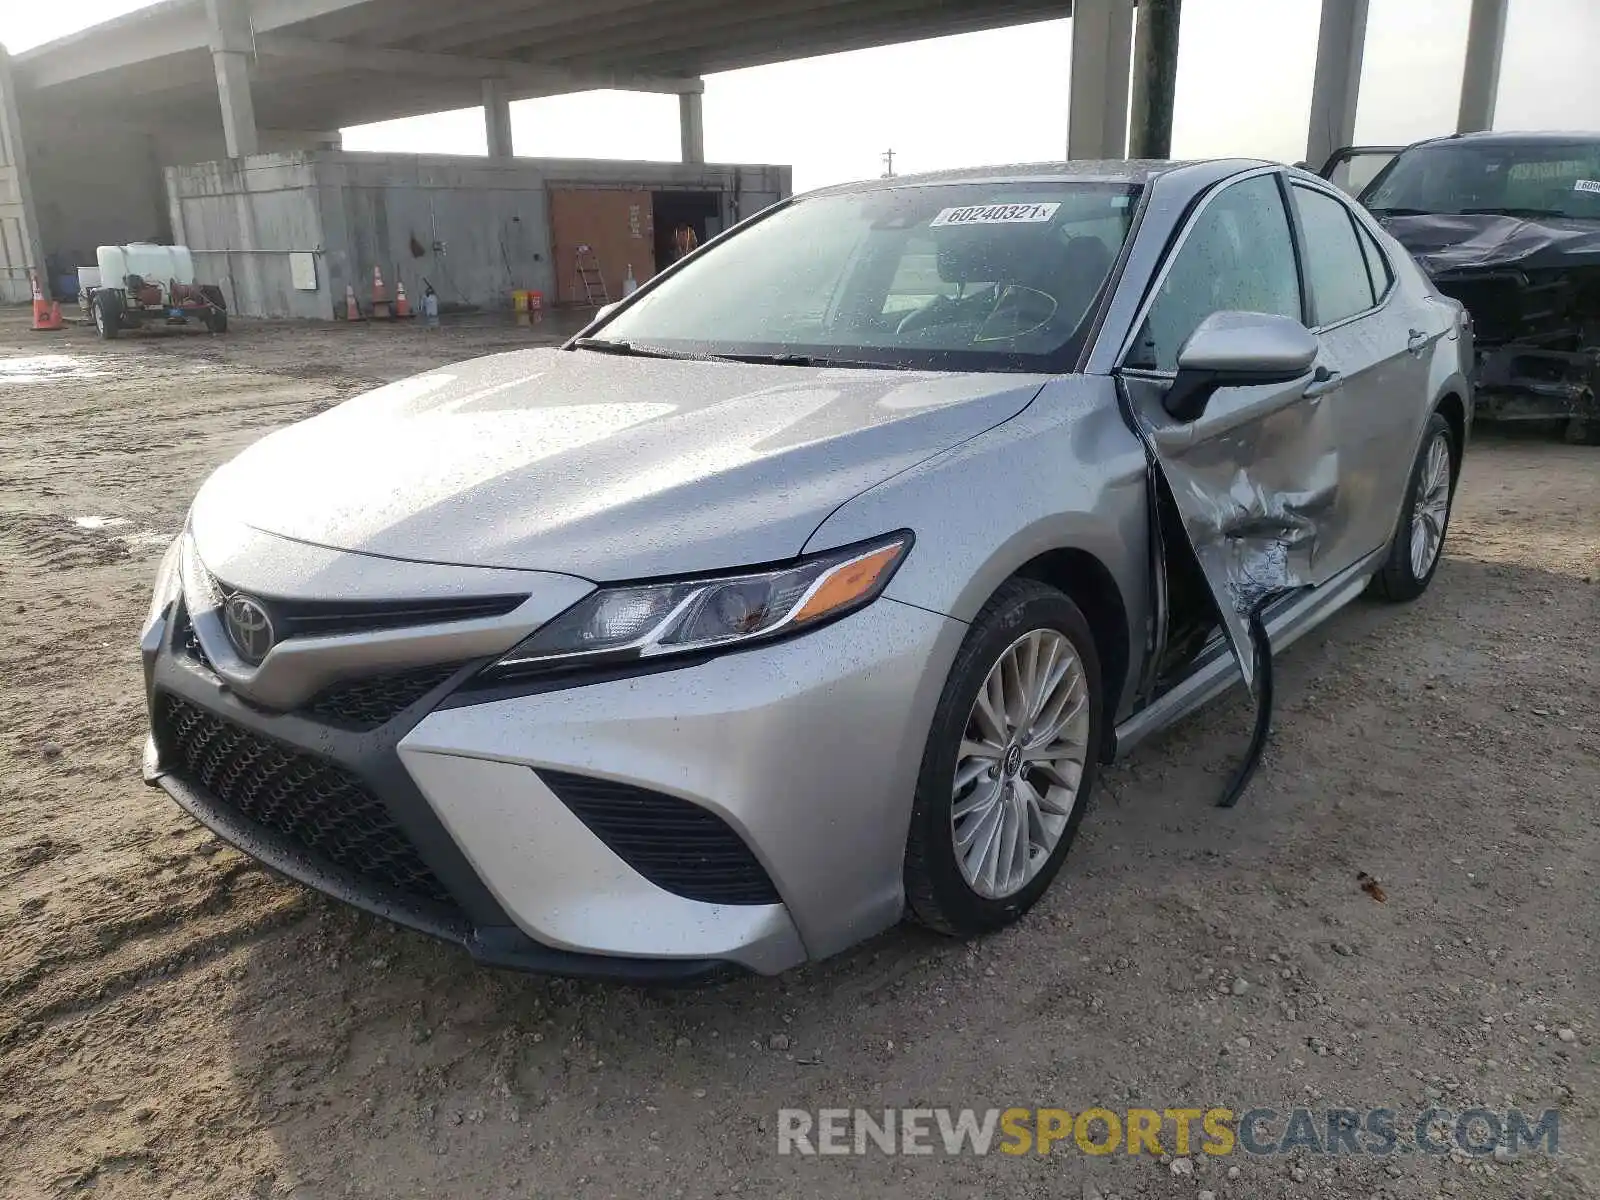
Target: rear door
[[1256, 478], [1376, 356]]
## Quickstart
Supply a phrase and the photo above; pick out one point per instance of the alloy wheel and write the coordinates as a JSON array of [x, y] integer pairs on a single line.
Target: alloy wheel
[[1432, 507], [1020, 763]]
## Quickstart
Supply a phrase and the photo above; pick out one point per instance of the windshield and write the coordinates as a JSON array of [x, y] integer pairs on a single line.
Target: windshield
[[1550, 179], [947, 277]]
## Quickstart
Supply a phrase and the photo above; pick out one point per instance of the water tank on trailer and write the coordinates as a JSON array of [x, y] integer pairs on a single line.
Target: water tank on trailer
[[153, 263]]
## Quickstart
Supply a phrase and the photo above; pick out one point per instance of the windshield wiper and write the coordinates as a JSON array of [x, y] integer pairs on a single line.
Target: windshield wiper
[[811, 360], [1533, 213], [614, 346], [1400, 212]]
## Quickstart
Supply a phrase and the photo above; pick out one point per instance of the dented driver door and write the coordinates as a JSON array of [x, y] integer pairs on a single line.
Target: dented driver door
[[1255, 474]]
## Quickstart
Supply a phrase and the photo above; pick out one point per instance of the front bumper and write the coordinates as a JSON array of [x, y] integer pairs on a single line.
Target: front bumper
[[1518, 382], [808, 750]]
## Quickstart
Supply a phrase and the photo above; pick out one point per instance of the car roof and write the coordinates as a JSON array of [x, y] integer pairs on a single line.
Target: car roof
[[1126, 171]]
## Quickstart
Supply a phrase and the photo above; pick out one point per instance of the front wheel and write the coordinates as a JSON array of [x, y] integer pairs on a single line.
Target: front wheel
[[1009, 764], [1424, 518]]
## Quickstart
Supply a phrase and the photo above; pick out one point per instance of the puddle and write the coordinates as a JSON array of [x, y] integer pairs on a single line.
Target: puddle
[[45, 368]]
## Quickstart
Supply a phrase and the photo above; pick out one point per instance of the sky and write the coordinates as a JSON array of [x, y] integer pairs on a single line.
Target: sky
[[1244, 88]]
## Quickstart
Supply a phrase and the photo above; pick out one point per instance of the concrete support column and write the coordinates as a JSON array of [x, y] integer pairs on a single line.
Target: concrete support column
[[232, 46], [1102, 45], [1336, 87], [692, 126], [497, 117], [1155, 78], [1480, 77]]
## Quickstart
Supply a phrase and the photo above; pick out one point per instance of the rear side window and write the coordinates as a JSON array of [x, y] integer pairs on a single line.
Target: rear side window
[[1238, 256], [1377, 264], [1335, 262]]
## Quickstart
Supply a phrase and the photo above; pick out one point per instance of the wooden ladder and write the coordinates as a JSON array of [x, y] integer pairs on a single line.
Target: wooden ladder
[[588, 278]]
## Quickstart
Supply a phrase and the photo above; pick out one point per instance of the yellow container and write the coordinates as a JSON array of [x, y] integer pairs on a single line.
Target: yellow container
[[519, 301]]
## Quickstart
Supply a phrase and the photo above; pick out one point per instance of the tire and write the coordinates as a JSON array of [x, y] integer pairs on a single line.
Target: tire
[[1402, 577], [215, 317], [107, 306], [940, 889], [1583, 431]]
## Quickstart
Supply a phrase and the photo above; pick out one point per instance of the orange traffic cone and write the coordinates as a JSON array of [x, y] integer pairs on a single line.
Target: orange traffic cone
[[402, 306], [46, 313], [380, 297], [352, 310]]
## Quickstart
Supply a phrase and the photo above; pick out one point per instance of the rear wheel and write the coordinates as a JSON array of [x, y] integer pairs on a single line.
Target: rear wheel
[[1424, 518], [107, 307], [1009, 764]]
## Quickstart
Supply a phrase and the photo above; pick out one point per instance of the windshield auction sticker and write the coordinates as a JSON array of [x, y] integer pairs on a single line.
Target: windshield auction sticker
[[995, 214]]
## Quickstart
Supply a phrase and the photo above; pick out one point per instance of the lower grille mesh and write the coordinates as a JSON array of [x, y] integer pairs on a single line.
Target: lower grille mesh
[[317, 805], [678, 846]]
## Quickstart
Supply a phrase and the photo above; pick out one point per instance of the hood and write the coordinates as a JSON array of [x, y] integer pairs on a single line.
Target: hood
[[598, 465], [1446, 243]]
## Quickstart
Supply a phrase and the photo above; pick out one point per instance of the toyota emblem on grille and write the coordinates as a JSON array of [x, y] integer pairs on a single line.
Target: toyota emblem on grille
[[249, 628]]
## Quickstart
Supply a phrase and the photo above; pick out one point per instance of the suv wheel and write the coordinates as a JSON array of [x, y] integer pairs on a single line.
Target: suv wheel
[[1009, 765]]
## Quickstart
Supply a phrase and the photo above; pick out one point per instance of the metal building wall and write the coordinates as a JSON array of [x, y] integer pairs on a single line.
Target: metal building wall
[[476, 228]]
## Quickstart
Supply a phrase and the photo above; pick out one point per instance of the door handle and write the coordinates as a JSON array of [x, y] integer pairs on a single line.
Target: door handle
[[1322, 383], [1417, 343]]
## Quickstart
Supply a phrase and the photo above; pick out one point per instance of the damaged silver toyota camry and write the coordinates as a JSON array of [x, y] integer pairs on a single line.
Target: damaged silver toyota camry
[[810, 586]]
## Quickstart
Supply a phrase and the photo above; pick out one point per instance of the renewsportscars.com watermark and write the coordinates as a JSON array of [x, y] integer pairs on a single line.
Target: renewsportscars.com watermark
[[1162, 1132]]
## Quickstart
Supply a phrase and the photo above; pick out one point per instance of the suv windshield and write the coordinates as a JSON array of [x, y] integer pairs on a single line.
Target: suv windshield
[[1535, 179], [947, 277]]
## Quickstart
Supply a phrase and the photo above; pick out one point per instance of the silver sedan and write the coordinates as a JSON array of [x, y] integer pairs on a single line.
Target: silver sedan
[[810, 586]]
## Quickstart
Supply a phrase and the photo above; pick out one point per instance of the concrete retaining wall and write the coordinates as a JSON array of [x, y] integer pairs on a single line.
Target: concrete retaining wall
[[20, 249]]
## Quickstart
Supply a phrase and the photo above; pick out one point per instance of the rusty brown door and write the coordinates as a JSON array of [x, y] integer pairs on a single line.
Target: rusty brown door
[[616, 224]]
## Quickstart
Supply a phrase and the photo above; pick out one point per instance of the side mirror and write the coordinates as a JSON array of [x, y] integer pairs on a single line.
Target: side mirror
[[1237, 349]]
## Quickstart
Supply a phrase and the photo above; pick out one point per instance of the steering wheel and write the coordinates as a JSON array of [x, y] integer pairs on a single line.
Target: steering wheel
[[1023, 309]]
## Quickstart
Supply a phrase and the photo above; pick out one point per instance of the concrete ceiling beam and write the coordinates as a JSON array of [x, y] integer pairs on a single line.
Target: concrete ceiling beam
[[523, 79], [502, 28], [797, 30], [739, 56], [140, 42]]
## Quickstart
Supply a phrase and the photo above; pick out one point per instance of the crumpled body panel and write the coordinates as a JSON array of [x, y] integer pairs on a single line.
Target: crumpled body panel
[[1258, 503]]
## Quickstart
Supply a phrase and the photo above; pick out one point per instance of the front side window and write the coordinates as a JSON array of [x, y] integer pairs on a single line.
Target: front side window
[[1336, 266], [1238, 256], [949, 276], [1545, 178]]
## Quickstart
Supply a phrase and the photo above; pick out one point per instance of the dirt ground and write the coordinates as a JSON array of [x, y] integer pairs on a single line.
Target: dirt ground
[[175, 1021]]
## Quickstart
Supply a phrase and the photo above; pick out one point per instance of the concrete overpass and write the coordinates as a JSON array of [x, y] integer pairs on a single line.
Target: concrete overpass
[[88, 122]]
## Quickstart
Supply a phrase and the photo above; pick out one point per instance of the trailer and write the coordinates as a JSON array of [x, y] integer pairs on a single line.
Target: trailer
[[144, 283]]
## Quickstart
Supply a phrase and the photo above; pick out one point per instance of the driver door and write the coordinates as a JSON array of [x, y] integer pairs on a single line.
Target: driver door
[[1255, 477]]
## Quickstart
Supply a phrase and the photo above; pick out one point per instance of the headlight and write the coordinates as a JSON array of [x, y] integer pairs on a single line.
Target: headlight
[[169, 581], [617, 624]]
